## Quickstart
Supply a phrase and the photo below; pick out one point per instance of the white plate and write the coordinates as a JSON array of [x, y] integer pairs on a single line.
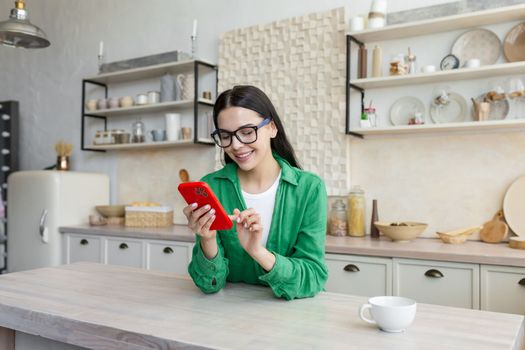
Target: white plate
[[514, 206], [404, 109], [478, 43], [454, 112]]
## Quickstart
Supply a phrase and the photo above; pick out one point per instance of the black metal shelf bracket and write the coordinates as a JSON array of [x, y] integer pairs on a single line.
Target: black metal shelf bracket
[[349, 86], [84, 115]]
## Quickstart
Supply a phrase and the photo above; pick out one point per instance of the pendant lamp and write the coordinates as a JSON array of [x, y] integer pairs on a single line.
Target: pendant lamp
[[17, 31]]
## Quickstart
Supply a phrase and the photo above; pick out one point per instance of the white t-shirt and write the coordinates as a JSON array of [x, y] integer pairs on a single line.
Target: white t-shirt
[[263, 203]]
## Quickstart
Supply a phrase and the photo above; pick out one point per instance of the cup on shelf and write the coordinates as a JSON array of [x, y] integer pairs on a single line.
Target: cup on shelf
[[186, 133], [142, 99], [206, 95], [102, 103], [428, 69], [126, 101], [158, 135], [390, 313], [91, 105], [472, 63]]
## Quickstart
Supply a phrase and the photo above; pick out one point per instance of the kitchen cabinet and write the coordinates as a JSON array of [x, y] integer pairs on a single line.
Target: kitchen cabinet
[[125, 252], [200, 108], [437, 282], [503, 289], [151, 254], [359, 275], [426, 27]]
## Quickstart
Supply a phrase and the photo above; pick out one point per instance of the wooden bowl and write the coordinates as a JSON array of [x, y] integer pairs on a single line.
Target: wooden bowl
[[111, 211], [458, 236], [517, 242], [401, 231]]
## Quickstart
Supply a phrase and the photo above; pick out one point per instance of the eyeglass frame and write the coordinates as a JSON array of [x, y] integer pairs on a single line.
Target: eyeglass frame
[[262, 124]]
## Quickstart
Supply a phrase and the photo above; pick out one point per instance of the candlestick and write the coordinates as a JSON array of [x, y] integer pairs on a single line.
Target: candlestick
[[194, 32], [100, 55]]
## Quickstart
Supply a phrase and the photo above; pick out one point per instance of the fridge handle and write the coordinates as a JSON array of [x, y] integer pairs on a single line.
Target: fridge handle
[[44, 233]]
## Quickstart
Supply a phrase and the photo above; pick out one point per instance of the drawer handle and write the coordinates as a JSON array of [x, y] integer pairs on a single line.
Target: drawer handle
[[522, 282], [84, 241], [168, 250], [433, 273], [351, 268], [123, 246]]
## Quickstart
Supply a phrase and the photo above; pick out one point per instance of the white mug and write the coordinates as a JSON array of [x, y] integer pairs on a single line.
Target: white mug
[[172, 126], [389, 313], [472, 63], [428, 69], [186, 85]]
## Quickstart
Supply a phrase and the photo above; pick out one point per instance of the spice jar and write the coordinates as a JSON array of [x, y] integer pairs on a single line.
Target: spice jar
[[356, 212], [371, 116], [337, 225]]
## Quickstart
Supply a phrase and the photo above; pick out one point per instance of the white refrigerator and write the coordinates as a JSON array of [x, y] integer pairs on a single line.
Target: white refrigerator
[[39, 202]]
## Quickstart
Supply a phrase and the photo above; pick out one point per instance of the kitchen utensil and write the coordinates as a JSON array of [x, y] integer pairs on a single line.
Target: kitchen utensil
[[404, 109], [111, 210], [186, 133], [142, 99], [513, 206], [122, 137], [495, 230], [167, 88], [158, 135], [514, 44], [390, 313], [401, 231], [478, 43], [102, 103], [453, 112], [481, 110], [113, 102], [498, 109], [517, 242], [184, 175], [458, 236]]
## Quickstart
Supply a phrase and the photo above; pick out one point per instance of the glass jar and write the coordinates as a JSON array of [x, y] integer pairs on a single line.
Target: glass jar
[[138, 134], [371, 116], [356, 212], [337, 225]]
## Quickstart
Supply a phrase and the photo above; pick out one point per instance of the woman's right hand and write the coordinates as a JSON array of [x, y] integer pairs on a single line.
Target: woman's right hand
[[200, 220]]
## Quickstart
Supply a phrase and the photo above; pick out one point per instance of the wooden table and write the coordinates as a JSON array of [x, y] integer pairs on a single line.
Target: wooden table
[[109, 307]]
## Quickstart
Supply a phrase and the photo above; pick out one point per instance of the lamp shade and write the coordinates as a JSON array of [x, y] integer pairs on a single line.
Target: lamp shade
[[17, 31]]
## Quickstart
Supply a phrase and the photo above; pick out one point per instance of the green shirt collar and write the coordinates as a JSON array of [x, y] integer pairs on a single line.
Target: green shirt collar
[[288, 173]]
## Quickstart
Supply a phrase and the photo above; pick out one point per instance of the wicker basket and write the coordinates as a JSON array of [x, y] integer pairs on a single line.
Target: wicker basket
[[149, 216]]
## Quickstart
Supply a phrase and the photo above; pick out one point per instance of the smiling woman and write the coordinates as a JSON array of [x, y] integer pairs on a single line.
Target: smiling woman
[[279, 209]]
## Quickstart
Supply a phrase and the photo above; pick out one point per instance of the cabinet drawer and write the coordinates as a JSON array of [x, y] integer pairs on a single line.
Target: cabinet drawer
[[84, 248], [169, 256], [124, 252], [359, 275], [435, 282], [503, 289]]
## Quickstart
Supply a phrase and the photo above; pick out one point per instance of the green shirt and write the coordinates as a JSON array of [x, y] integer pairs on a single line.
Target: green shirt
[[296, 238]]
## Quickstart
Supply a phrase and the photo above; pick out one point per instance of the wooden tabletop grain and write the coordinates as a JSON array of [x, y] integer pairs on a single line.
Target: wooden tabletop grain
[[109, 307]]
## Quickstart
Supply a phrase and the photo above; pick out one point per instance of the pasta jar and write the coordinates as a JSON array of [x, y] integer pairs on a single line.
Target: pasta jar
[[337, 225], [356, 212]]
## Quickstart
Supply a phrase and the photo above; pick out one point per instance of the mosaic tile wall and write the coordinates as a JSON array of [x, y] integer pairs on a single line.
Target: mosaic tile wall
[[300, 64]]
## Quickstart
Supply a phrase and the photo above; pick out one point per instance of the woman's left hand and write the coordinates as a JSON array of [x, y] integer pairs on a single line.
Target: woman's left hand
[[249, 229]]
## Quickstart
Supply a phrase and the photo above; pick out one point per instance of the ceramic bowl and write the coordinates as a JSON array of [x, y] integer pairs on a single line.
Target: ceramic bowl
[[111, 210], [401, 231]]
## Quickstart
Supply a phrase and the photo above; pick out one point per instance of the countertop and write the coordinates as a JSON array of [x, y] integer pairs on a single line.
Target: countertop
[[102, 306], [422, 248]]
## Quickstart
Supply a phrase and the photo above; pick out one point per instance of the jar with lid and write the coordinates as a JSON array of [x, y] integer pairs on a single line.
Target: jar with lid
[[371, 116], [356, 212], [99, 138], [138, 134], [337, 225]]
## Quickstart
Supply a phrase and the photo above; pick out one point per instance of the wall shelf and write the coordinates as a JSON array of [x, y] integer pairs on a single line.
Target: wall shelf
[[442, 24], [489, 125], [145, 145], [148, 108]]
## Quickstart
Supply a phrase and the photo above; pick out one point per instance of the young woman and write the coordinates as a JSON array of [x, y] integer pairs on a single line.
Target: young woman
[[278, 210]]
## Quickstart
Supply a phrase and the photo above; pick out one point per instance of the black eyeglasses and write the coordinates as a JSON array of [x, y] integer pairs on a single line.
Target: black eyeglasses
[[246, 134]]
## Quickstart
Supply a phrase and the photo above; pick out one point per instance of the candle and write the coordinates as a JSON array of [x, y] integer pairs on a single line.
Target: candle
[[194, 33], [101, 48]]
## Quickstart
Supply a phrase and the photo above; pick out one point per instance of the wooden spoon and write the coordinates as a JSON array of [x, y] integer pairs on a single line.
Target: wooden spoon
[[495, 230], [183, 175]]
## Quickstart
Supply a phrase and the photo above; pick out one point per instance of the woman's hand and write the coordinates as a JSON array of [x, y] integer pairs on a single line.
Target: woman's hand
[[249, 230], [199, 221]]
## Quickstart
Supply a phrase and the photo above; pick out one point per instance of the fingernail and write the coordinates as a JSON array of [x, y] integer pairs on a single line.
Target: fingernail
[[207, 206], [212, 211], [213, 217], [194, 205], [238, 220]]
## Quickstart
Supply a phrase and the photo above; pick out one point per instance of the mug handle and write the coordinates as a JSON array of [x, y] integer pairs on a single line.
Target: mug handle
[[362, 313], [180, 80]]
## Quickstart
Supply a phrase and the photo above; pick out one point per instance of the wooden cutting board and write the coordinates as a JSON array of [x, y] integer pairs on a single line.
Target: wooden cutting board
[[495, 230]]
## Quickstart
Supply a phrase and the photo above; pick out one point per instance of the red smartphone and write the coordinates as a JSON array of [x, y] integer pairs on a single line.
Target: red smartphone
[[201, 193]]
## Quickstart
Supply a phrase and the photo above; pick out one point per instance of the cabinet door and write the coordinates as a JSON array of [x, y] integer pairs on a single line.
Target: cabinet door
[[503, 289], [83, 248], [436, 282], [125, 252], [169, 256], [359, 275]]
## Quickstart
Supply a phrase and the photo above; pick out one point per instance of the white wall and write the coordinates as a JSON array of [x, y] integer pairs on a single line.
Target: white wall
[[402, 173]]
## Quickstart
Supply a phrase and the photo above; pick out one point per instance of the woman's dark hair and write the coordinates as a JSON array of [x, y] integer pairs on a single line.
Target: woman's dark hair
[[250, 97]]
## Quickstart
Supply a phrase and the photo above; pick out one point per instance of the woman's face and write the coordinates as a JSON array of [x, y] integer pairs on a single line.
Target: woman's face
[[247, 156]]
